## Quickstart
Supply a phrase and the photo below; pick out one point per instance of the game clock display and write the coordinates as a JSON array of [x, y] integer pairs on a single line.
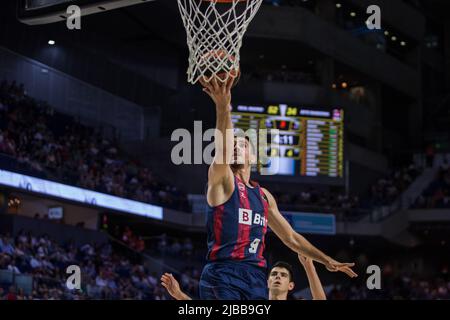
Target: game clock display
[[308, 143]]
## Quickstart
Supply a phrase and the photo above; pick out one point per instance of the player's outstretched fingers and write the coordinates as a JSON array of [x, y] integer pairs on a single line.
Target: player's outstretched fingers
[[215, 85], [208, 92], [205, 84], [166, 278], [347, 264], [170, 277], [347, 270], [350, 272], [229, 83]]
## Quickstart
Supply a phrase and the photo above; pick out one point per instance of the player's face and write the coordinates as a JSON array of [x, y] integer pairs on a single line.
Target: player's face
[[279, 281], [242, 153]]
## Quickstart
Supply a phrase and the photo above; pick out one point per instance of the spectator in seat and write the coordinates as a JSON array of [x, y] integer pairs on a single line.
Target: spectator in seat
[[139, 244], [188, 247], [20, 294], [13, 268], [162, 243], [7, 247], [127, 235], [152, 279], [176, 247], [36, 263], [101, 280], [11, 294]]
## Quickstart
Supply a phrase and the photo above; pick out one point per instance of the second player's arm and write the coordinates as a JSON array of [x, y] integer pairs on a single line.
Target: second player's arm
[[315, 285], [173, 287], [298, 243]]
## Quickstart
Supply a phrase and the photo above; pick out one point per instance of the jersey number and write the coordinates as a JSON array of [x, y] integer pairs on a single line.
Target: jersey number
[[254, 246]]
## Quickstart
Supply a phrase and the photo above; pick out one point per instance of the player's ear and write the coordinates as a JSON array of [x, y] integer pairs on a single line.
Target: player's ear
[[291, 286]]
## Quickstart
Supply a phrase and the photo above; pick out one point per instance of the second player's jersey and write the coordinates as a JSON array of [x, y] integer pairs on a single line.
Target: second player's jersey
[[237, 228]]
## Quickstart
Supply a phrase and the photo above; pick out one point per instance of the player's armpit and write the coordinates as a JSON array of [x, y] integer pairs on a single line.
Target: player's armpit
[[218, 173], [220, 185]]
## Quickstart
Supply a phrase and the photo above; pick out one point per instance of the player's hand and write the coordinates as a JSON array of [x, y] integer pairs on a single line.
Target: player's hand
[[334, 266], [219, 92], [172, 286]]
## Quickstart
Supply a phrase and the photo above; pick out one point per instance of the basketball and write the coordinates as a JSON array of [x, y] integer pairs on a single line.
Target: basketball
[[223, 62]]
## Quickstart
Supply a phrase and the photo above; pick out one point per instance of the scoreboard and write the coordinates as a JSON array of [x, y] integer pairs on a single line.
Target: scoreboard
[[308, 142]]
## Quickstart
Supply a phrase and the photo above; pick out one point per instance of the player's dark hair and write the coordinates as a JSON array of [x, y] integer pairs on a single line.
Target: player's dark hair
[[252, 146], [284, 265]]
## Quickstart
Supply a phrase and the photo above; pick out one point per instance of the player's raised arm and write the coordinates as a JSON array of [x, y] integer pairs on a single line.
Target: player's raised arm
[[315, 285], [220, 176], [298, 243], [172, 286]]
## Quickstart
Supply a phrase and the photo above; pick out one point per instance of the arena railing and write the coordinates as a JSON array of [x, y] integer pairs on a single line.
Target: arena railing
[[19, 281]]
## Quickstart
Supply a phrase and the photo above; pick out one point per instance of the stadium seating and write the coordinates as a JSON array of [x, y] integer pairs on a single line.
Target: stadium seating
[[34, 139]]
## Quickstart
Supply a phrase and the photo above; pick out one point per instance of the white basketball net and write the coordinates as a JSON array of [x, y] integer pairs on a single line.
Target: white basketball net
[[214, 35]]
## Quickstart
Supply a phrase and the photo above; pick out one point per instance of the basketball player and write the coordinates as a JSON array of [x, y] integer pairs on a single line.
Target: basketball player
[[238, 216], [280, 282]]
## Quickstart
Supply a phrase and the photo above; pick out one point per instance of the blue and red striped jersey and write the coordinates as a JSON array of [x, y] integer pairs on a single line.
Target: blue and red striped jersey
[[237, 228]]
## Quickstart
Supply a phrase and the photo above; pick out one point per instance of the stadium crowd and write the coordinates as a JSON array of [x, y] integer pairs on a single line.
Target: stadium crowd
[[106, 274], [109, 275], [387, 189], [57, 147], [400, 288], [132, 240], [323, 201], [437, 194]]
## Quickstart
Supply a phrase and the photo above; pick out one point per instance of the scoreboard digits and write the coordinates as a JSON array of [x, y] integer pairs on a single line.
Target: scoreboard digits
[[309, 143]]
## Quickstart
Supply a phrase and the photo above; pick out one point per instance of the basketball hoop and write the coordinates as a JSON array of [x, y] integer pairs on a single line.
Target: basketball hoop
[[215, 29]]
